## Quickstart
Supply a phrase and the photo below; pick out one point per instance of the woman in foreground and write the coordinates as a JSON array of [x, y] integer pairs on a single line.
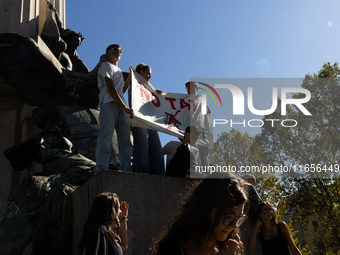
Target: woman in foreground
[[274, 235], [105, 231], [209, 220]]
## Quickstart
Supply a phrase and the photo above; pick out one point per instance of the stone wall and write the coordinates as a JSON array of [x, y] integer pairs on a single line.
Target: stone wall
[[153, 201]]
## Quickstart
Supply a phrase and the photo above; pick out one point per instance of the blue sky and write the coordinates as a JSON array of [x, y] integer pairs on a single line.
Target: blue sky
[[183, 39]]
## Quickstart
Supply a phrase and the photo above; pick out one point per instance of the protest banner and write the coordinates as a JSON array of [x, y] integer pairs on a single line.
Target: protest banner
[[169, 113]]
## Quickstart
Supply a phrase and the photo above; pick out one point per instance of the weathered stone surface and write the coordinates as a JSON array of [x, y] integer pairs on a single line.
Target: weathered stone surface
[[9, 136], [153, 201]]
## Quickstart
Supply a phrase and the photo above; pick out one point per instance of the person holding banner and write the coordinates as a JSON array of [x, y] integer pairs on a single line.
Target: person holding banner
[[147, 148], [192, 88], [114, 114]]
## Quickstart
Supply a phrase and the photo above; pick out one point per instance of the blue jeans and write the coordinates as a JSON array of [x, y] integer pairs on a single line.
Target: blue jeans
[[147, 151], [112, 116]]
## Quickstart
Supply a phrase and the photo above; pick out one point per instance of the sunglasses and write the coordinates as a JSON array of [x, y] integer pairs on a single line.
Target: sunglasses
[[231, 218], [117, 49], [188, 87]]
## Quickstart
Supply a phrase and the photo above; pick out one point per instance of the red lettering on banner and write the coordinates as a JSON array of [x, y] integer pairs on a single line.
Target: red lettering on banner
[[144, 92], [184, 104], [172, 119], [157, 103], [171, 100]]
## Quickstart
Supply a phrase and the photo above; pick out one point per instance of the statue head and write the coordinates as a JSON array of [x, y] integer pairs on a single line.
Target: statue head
[[72, 39]]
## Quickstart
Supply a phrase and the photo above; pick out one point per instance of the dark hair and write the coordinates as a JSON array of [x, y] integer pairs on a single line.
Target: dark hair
[[249, 176], [142, 67], [104, 211], [259, 210], [218, 191], [193, 129], [110, 47]]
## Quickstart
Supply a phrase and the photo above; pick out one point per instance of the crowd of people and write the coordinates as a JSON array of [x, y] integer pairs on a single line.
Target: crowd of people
[[208, 223], [210, 219], [146, 149]]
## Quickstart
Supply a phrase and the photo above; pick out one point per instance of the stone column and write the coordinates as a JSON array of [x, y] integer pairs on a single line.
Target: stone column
[[27, 17]]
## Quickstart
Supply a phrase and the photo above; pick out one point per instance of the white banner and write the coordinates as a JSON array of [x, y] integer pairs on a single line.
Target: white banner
[[169, 113]]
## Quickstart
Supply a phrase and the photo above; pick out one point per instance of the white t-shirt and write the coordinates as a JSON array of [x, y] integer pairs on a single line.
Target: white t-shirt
[[113, 72]]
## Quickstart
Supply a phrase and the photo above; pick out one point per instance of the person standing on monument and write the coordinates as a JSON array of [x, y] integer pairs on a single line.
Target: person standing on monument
[[192, 88], [147, 148], [114, 114]]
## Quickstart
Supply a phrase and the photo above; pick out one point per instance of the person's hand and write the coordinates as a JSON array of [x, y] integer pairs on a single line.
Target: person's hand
[[132, 69], [231, 247], [124, 210], [130, 112], [159, 91], [259, 224]]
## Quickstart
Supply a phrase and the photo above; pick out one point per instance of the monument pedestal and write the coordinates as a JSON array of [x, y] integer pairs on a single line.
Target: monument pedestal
[[153, 201]]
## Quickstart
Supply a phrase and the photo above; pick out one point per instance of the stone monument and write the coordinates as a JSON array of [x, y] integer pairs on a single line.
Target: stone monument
[[43, 109], [49, 120], [25, 18]]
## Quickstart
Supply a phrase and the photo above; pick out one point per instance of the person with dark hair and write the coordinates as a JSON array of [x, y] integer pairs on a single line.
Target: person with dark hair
[[209, 220], [114, 114], [274, 235], [186, 156], [105, 231], [147, 148]]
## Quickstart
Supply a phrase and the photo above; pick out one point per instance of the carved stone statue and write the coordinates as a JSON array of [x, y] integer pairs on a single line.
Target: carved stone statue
[[66, 102], [70, 59], [63, 42]]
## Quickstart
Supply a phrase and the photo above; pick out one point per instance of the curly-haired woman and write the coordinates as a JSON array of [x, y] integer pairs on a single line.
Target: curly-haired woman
[[209, 220]]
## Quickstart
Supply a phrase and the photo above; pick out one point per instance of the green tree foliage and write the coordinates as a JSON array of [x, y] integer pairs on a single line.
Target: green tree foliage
[[235, 149], [239, 150], [313, 147]]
